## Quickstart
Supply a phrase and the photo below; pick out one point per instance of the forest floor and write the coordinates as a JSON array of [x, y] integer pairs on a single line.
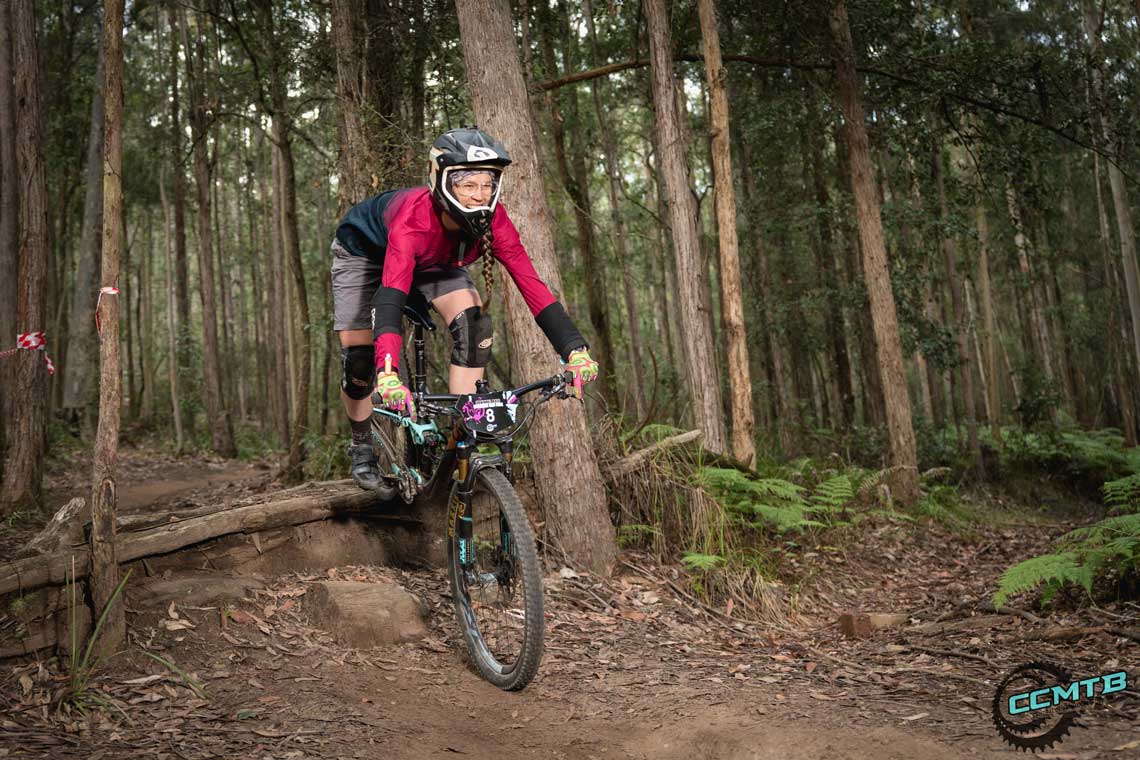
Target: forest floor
[[633, 669]]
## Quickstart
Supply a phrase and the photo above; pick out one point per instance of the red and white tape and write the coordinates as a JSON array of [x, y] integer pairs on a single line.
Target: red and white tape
[[32, 341], [109, 291]]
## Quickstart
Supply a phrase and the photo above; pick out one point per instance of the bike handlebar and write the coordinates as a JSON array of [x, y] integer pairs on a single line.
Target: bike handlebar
[[562, 378]]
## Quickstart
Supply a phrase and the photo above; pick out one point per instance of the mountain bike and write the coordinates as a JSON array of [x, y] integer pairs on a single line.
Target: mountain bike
[[496, 581]]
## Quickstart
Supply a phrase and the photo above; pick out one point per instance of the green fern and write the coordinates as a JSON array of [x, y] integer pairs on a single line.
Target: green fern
[[1108, 529], [778, 503], [1051, 569], [786, 518], [1113, 544], [1123, 493], [698, 561], [834, 493]]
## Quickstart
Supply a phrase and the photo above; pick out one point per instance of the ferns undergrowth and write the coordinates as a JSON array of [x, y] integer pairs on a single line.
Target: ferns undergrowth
[[1109, 550], [730, 529]]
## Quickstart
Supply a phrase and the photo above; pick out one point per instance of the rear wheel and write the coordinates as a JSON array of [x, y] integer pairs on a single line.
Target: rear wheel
[[496, 583]]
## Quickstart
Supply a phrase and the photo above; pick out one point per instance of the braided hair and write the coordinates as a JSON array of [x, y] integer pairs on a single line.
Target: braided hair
[[488, 241]]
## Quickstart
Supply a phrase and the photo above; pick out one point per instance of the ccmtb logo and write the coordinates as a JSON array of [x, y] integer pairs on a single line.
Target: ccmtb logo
[[1036, 704]]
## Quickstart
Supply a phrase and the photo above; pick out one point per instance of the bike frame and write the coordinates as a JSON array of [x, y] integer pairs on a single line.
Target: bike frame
[[460, 462]]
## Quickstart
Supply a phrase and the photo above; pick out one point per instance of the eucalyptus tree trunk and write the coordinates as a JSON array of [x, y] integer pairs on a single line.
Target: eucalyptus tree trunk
[[572, 171], [356, 150], [221, 426], [178, 197], [988, 323], [1108, 141], [700, 360], [80, 393], [287, 188], [104, 564], [1039, 330], [30, 384], [1123, 389], [9, 216], [366, 37], [299, 314], [870, 383], [568, 480], [275, 327], [845, 412], [146, 321], [884, 317], [172, 326], [965, 378], [621, 242], [732, 306]]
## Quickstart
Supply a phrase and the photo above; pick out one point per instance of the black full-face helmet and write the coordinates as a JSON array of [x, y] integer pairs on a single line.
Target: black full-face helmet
[[457, 152]]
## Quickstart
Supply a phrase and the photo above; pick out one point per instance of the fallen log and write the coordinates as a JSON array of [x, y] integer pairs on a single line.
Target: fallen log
[[968, 624], [637, 459], [56, 567], [1074, 633]]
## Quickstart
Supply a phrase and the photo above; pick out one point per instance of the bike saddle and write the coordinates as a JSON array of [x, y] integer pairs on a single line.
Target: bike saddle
[[416, 310]]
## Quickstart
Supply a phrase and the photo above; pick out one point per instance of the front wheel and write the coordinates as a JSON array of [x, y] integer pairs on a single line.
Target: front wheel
[[496, 582], [391, 457]]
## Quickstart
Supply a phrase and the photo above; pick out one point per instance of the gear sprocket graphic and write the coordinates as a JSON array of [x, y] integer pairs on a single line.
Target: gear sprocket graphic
[[1039, 729]]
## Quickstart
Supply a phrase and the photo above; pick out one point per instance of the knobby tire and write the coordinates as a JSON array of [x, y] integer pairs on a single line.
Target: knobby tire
[[527, 582]]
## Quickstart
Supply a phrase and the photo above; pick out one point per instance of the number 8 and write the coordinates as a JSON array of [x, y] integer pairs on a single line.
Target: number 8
[[490, 415]]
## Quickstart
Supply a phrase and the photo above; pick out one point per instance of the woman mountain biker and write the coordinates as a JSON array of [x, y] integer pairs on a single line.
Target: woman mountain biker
[[423, 238]]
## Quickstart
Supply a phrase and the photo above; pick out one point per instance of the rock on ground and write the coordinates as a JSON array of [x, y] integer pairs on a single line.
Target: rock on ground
[[364, 615]]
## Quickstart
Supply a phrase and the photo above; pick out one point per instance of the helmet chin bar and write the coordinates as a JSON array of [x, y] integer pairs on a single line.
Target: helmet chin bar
[[456, 204]]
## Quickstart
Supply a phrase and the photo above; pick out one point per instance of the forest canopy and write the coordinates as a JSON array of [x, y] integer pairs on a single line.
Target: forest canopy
[[995, 147]]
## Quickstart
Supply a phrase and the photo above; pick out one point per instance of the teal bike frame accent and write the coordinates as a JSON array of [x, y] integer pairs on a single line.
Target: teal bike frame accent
[[416, 429]]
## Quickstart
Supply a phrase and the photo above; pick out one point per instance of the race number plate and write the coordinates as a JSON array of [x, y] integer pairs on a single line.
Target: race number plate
[[488, 412]]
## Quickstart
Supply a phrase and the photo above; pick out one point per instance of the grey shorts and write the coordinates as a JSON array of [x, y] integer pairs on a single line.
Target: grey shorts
[[355, 279]]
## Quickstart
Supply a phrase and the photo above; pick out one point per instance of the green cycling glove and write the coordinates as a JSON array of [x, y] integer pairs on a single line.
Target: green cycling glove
[[584, 368]]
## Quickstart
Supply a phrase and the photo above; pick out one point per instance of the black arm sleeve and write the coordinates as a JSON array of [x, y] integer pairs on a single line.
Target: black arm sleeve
[[387, 311], [559, 330]]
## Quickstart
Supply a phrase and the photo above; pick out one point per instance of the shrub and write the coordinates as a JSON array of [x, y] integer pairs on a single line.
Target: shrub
[[1107, 548]]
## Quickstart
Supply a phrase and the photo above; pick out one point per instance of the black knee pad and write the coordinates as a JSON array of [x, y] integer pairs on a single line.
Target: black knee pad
[[359, 364], [472, 333]]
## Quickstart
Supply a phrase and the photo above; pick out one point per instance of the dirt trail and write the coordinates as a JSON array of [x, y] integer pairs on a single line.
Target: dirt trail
[[631, 671]]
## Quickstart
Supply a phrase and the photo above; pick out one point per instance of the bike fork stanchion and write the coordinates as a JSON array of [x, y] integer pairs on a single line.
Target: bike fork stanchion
[[419, 382], [463, 494]]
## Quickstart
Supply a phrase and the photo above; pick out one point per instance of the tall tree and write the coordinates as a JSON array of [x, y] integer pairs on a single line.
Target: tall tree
[[9, 213], [287, 187], [731, 304], [1123, 391], [572, 170], [172, 327], [884, 317], [104, 563], [178, 184], [221, 426], [80, 391], [569, 482], [963, 377], [369, 96], [700, 359], [617, 218], [23, 468], [1108, 141]]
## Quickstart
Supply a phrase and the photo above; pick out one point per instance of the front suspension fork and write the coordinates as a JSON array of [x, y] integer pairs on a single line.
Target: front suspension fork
[[462, 505]]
